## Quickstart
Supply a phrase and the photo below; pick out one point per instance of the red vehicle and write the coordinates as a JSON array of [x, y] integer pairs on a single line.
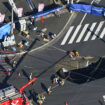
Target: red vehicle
[[11, 96]]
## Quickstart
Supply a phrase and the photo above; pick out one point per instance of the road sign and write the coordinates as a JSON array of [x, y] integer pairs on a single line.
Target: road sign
[[41, 7], [2, 16], [20, 10]]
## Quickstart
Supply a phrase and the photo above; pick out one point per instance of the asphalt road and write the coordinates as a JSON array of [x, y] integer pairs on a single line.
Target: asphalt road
[[85, 34], [41, 64]]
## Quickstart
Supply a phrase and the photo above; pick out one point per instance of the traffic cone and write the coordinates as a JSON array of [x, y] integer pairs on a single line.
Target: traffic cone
[[19, 74], [42, 19], [9, 73], [66, 103]]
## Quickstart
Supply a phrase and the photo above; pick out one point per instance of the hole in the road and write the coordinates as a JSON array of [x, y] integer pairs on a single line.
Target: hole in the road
[[63, 73]]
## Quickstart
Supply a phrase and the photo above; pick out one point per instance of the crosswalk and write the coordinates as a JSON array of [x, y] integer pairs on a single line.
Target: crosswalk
[[83, 33]]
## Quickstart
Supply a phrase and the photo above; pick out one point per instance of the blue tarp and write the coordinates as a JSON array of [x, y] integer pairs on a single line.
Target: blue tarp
[[81, 8], [87, 9], [5, 30], [39, 14], [97, 10]]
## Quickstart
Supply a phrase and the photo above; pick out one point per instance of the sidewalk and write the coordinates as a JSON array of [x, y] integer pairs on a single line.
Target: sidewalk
[[44, 32]]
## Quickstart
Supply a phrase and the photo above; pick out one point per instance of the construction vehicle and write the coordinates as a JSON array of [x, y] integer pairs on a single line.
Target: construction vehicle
[[12, 96]]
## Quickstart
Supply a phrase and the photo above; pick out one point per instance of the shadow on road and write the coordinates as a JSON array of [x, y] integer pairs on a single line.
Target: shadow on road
[[92, 72], [25, 74], [18, 63], [93, 33], [100, 102], [43, 87]]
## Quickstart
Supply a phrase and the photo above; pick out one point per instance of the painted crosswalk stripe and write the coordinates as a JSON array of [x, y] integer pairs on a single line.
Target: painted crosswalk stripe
[[67, 35], [75, 33], [97, 30], [102, 33], [89, 33], [82, 33]]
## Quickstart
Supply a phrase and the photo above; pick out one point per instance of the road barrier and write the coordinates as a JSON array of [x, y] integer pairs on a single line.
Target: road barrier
[[88, 9]]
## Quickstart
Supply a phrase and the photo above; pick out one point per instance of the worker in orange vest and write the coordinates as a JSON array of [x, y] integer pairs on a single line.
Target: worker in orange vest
[[66, 103], [71, 53]]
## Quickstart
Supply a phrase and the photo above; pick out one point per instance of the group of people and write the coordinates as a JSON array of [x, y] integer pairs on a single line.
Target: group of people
[[59, 81], [45, 37], [74, 53], [56, 80], [48, 37], [40, 99]]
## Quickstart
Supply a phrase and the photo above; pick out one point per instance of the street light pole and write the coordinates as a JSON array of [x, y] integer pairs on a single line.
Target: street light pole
[[12, 21]]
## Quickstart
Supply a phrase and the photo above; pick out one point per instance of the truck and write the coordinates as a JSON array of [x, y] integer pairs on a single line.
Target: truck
[[12, 96]]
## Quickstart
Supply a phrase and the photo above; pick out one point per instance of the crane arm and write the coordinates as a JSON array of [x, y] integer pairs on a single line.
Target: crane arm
[[27, 84]]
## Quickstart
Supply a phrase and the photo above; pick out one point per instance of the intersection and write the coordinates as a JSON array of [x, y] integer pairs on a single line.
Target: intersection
[[83, 34]]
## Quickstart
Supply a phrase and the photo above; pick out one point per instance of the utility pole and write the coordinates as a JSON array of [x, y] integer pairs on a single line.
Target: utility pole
[[12, 20], [71, 1]]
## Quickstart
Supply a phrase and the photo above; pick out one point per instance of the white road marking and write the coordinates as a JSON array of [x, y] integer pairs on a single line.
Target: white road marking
[[67, 35], [85, 15], [83, 18], [59, 49], [97, 30], [28, 67], [89, 33], [102, 33], [74, 35], [82, 33]]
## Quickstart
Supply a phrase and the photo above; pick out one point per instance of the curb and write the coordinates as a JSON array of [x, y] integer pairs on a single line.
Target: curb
[[37, 19]]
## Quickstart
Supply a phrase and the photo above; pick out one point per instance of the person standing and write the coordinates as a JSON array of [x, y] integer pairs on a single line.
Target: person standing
[[62, 82], [77, 53], [32, 19], [30, 76], [43, 98], [38, 96], [39, 101], [14, 64], [49, 90], [71, 54], [56, 80]]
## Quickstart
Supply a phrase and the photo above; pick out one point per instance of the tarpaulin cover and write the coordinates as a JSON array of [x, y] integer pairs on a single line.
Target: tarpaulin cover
[[87, 9], [5, 30], [98, 10], [39, 14], [81, 8]]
